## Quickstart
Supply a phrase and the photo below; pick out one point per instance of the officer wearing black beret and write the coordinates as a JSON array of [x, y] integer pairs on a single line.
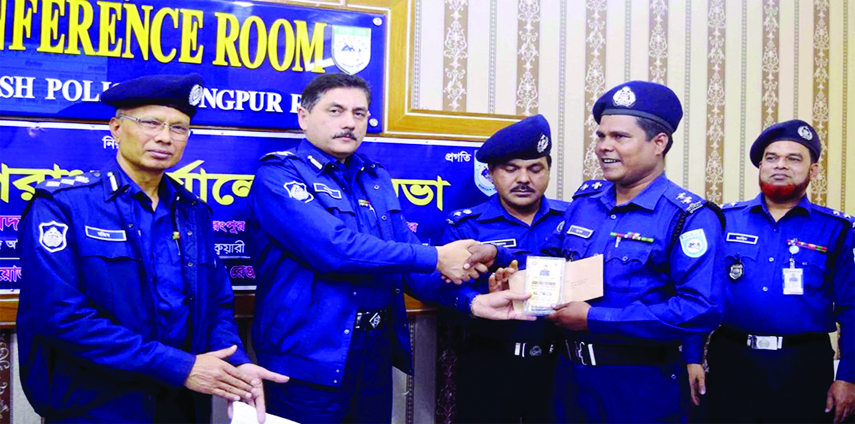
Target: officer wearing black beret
[[506, 368], [796, 130], [125, 312], [790, 266], [661, 248], [526, 139]]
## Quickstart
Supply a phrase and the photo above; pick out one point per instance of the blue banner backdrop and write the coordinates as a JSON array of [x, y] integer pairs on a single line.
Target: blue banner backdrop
[[432, 179], [58, 57]]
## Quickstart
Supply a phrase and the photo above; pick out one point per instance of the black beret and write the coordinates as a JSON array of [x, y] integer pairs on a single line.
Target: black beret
[[182, 92], [796, 130], [526, 139], [644, 99]]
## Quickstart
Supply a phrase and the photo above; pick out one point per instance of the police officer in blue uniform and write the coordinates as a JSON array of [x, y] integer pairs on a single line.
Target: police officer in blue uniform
[[125, 313], [662, 254], [520, 218], [791, 277], [333, 255]]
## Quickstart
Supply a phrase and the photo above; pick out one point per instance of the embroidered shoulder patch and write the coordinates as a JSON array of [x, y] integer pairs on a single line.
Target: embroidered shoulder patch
[[297, 191], [52, 236], [694, 243]]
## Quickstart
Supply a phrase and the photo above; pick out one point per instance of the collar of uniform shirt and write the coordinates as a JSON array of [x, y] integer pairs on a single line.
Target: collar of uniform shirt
[[804, 206], [306, 150], [165, 191], [647, 199], [494, 210]]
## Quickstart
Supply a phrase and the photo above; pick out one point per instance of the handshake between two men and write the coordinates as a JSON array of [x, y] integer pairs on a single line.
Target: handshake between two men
[[464, 260]]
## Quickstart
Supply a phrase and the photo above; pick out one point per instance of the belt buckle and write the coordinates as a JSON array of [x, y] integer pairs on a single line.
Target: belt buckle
[[764, 342], [530, 350], [582, 351]]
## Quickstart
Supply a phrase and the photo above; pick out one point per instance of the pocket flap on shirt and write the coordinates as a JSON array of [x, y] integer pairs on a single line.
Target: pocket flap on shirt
[[90, 246]]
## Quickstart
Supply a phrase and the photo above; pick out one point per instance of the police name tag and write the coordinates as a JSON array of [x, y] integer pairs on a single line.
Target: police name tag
[[544, 279], [793, 281], [106, 235]]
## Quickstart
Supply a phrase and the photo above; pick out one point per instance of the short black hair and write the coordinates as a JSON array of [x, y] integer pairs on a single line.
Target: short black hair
[[652, 128], [323, 83]]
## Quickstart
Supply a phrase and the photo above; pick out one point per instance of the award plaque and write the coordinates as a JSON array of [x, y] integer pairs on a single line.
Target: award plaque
[[554, 281], [544, 279]]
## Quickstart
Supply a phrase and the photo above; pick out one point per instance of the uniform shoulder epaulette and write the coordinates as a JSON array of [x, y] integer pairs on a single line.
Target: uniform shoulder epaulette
[[835, 213], [282, 154], [734, 205], [460, 215], [559, 205], [591, 187], [684, 199], [57, 184]]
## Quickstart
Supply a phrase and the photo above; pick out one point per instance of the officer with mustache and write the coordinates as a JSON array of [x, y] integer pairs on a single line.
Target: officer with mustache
[[790, 264], [520, 218], [334, 256], [661, 248]]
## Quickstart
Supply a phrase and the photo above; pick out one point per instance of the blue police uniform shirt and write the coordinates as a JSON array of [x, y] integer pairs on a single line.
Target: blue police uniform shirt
[[89, 307], [348, 175], [155, 230], [654, 292], [312, 261], [755, 301], [489, 222]]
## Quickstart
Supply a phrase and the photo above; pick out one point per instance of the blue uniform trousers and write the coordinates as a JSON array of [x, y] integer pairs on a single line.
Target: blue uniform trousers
[[622, 393], [365, 394], [498, 387], [745, 385]]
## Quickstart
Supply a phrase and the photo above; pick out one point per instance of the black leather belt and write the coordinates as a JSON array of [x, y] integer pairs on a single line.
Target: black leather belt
[[521, 349], [370, 320], [762, 342], [598, 354]]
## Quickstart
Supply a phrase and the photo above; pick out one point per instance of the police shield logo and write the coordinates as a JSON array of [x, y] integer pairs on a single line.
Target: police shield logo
[[737, 270], [694, 243], [541, 145], [804, 131], [624, 97], [52, 236], [351, 48], [298, 191], [195, 95], [482, 178]]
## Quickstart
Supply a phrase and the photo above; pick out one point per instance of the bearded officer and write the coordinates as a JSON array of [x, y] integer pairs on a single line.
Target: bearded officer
[[125, 313], [520, 218], [790, 264]]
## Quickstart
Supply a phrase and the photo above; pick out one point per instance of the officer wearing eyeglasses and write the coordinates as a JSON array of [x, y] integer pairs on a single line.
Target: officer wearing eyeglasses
[[125, 312]]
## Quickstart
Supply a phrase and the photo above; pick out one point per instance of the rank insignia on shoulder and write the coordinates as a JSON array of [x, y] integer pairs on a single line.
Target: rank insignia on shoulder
[[52, 236], [737, 270], [589, 187], [297, 191]]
